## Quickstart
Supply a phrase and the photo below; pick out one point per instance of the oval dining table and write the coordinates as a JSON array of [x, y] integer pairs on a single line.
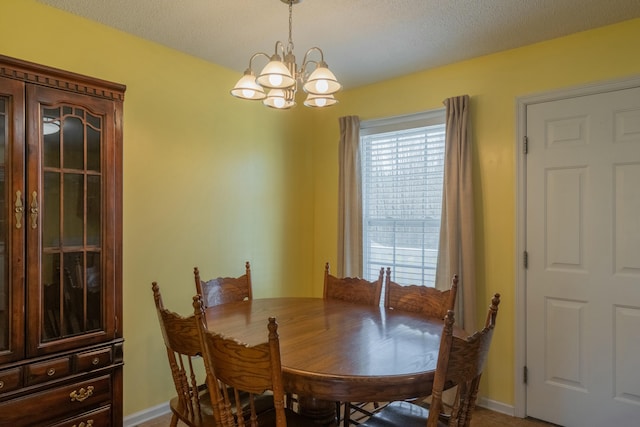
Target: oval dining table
[[338, 351]]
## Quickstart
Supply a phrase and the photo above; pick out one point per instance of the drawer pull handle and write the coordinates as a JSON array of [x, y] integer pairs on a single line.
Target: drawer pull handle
[[82, 394], [51, 372], [82, 424], [95, 360], [1, 384]]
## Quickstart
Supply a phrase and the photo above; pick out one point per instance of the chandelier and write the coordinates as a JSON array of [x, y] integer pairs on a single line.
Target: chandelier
[[281, 77]]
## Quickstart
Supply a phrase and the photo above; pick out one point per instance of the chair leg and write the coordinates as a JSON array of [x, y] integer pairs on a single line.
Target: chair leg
[[346, 421], [174, 420]]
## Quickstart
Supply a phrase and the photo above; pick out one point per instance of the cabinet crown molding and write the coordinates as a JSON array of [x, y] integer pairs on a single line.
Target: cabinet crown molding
[[29, 72]]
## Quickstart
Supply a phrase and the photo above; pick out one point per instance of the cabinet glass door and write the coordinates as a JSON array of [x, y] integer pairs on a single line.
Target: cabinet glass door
[[67, 215], [11, 220]]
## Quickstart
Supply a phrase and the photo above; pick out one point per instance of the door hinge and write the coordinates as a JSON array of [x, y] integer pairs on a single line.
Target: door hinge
[[525, 374], [116, 331], [525, 145], [525, 259]]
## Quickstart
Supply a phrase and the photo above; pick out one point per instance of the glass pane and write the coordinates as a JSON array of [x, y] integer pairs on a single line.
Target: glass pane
[[94, 291], [51, 210], [73, 143], [93, 210], [402, 181], [73, 279], [51, 296], [73, 295], [73, 209], [4, 272], [51, 136], [93, 148]]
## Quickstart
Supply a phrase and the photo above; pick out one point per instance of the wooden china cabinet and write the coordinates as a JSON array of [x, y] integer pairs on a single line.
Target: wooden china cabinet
[[61, 345]]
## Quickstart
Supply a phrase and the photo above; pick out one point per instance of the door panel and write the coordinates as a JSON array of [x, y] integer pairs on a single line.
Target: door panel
[[583, 245], [13, 212], [70, 245]]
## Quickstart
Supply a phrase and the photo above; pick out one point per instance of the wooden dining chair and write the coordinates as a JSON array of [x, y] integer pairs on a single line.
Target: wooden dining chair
[[460, 363], [421, 299], [222, 290], [249, 369], [353, 289], [191, 405], [359, 291], [425, 300]]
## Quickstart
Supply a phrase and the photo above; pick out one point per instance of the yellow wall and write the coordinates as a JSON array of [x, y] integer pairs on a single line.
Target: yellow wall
[[212, 181], [493, 82], [209, 181]]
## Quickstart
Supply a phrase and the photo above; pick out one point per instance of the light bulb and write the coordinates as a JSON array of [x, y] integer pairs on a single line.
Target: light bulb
[[278, 102], [321, 102], [248, 93], [275, 79], [322, 86]]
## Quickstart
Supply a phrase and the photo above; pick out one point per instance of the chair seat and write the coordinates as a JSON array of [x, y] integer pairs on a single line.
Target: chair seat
[[403, 414]]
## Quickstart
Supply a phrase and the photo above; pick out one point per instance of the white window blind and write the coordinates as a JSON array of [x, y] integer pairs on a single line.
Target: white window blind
[[402, 178]]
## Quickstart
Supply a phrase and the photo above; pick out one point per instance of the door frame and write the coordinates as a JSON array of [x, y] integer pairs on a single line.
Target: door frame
[[520, 389]]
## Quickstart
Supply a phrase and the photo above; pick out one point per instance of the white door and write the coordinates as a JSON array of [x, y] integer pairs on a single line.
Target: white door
[[583, 247]]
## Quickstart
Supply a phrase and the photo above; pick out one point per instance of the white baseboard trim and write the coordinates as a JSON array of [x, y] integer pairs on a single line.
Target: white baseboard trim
[[496, 406], [148, 414]]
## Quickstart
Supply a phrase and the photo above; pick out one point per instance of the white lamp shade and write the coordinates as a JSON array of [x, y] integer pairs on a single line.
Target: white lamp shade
[[275, 75], [247, 88], [276, 98], [319, 101], [322, 82]]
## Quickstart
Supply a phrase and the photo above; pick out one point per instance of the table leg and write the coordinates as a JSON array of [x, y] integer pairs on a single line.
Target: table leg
[[322, 411]]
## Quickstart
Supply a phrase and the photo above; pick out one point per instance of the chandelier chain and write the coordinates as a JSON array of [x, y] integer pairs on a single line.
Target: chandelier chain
[[290, 24]]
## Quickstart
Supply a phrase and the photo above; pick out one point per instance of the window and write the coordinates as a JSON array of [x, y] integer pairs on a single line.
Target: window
[[402, 180]]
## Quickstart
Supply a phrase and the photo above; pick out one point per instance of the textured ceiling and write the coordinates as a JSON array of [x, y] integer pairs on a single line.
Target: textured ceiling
[[364, 41]]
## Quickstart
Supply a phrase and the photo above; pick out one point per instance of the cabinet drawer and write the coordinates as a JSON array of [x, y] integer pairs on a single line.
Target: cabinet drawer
[[93, 359], [48, 370], [101, 417], [69, 400], [10, 379]]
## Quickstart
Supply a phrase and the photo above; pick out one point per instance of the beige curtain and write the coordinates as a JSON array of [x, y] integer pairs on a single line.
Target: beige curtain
[[456, 251], [350, 199]]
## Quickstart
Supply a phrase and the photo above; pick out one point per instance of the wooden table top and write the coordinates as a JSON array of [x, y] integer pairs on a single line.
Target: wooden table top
[[338, 351]]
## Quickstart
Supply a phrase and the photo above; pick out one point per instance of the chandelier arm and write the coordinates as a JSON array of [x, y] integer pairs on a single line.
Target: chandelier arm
[[309, 51], [281, 45], [304, 68], [255, 55]]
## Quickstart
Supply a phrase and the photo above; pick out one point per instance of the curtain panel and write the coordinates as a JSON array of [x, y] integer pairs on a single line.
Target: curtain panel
[[456, 250], [349, 199]]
